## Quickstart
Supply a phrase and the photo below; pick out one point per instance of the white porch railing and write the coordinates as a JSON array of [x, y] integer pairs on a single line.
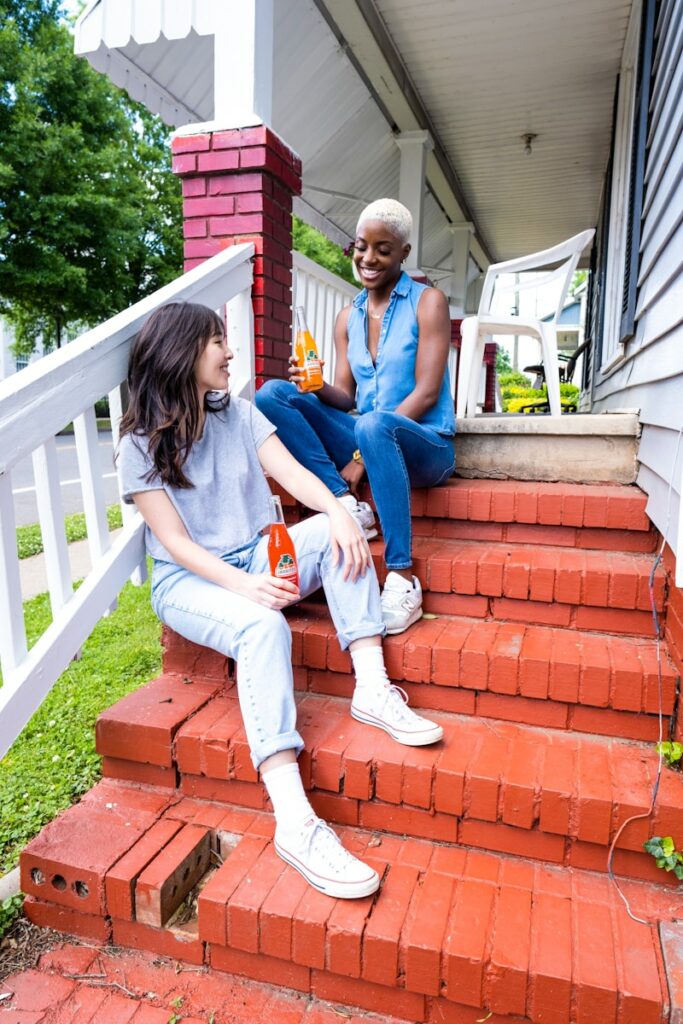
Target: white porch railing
[[322, 295], [34, 406]]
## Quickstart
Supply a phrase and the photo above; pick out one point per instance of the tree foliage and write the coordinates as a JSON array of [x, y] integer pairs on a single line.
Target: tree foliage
[[317, 247], [90, 214]]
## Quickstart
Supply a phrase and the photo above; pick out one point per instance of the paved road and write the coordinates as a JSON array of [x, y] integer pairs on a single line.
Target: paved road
[[23, 484]]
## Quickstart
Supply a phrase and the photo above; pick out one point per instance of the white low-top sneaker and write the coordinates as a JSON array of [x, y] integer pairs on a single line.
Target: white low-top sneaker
[[401, 603], [317, 853], [387, 708], [362, 513]]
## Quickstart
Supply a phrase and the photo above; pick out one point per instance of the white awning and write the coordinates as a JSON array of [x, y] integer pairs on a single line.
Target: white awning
[[160, 52]]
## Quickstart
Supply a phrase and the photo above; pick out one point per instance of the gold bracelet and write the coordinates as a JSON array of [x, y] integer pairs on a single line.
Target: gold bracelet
[[357, 457]]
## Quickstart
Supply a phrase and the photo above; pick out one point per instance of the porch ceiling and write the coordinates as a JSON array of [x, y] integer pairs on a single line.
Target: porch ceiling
[[348, 74]]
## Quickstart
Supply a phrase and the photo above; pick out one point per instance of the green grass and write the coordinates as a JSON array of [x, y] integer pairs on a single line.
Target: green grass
[[30, 539], [54, 762]]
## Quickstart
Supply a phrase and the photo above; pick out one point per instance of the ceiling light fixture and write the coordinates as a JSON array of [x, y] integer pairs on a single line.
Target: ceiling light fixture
[[527, 139]]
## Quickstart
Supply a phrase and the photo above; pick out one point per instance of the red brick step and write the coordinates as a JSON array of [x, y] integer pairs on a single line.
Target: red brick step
[[589, 516], [451, 928], [567, 679], [540, 793], [590, 590]]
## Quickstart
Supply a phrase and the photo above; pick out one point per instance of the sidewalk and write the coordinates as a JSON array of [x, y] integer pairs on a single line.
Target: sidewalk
[[32, 570]]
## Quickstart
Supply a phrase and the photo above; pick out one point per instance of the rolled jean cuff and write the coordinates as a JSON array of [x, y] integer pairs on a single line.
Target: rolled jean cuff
[[369, 629], [399, 565], [275, 745]]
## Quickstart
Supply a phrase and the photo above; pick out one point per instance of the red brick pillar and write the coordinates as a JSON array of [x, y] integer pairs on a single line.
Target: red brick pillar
[[238, 186], [490, 353], [456, 342]]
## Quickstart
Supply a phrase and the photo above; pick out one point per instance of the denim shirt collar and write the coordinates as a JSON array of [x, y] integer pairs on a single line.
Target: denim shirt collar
[[402, 288]]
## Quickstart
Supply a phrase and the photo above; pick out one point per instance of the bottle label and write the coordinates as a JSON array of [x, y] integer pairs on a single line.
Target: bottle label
[[286, 566], [312, 363]]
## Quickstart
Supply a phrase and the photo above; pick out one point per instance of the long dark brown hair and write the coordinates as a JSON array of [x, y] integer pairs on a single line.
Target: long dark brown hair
[[163, 402]]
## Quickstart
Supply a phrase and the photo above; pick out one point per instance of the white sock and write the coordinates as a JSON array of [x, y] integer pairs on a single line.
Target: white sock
[[290, 803], [368, 665]]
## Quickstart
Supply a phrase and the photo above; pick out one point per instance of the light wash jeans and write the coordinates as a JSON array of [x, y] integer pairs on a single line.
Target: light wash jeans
[[259, 638], [398, 454]]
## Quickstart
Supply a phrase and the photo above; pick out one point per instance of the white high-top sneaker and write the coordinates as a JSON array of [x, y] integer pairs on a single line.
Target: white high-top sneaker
[[386, 707], [317, 853]]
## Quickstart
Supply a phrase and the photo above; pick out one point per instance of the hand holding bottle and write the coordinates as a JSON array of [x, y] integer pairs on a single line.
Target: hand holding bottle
[[305, 357]]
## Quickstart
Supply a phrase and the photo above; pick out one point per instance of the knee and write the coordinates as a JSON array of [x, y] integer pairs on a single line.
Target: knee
[[267, 627], [370, 426], [272, 394]]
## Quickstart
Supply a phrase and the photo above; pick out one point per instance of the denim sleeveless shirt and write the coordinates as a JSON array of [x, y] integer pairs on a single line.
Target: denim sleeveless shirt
[[384, 385]]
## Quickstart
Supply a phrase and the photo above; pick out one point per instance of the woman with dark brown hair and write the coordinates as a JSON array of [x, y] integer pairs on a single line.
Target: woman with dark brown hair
[[192, 460]]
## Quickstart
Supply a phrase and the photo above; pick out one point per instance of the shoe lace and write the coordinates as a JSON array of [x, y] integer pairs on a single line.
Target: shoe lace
[[326, 844], [393, 598], [397, 704]]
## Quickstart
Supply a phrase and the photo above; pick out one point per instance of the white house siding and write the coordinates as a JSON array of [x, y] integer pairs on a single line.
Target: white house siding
[[650, 378]]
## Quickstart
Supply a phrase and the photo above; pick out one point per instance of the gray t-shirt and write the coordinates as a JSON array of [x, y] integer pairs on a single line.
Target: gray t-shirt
[[229, 503]]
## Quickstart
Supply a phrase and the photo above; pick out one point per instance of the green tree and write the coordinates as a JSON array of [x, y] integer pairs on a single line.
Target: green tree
[[578, 278], [90, 214], [503, 363], [316, 246]]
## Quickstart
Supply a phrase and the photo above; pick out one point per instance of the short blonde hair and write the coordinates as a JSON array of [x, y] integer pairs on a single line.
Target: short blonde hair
[[395, 215]]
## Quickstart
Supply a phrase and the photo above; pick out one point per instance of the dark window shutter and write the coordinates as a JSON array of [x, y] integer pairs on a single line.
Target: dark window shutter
[[589, 326], [637, 175], [599, 253]]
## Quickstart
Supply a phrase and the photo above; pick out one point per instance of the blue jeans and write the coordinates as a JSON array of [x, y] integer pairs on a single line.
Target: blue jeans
[[398, 454], [259, 638]]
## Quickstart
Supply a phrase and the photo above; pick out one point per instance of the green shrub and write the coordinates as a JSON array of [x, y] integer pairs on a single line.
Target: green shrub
[[515, 397], [514, 379]]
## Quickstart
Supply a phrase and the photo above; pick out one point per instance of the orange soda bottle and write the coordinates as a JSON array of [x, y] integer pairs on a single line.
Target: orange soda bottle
[[306, 353], [281, 553]]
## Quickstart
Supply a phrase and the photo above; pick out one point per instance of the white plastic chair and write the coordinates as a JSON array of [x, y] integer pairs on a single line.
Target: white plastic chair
[[475, 329]]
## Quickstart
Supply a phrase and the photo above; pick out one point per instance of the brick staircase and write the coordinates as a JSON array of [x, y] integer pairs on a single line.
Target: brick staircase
[[537, 656]]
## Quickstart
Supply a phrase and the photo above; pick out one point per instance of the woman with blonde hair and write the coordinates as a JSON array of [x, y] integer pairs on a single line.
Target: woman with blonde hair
[[392, 347]]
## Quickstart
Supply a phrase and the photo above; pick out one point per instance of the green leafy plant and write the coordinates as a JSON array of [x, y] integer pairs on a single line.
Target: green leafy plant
[[672, 753], [666, 856], [9, 911]]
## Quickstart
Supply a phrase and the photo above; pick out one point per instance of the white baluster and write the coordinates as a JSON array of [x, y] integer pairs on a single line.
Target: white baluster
[[128, 512], [92, 486], [51, 516], [12, 629], [241, 341]]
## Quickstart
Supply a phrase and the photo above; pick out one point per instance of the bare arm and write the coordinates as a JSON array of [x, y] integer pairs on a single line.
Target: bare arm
[[434, 339], [345, 535], [157, 510]]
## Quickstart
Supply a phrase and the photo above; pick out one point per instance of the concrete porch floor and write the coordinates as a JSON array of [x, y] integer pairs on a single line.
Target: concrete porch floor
[[577, 448]]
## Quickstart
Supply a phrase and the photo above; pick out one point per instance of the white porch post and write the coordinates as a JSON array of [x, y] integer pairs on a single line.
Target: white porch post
[[243, 63], [414, 147], [462, 233]]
